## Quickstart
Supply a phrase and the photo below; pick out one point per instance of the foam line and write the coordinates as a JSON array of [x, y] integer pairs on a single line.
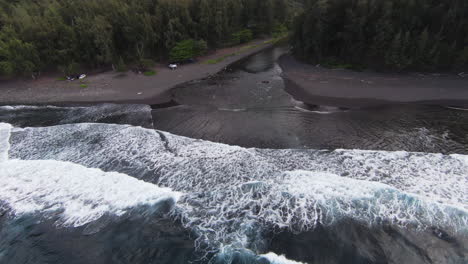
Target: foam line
[[78, 194], [340, 197], [5, 131], [278, 259], [25, 116]]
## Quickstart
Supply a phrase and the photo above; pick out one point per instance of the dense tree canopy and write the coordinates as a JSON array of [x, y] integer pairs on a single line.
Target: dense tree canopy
[[50, 34], [385, 34]]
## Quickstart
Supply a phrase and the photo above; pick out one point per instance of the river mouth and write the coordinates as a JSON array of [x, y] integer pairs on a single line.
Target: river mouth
[[249, 105]]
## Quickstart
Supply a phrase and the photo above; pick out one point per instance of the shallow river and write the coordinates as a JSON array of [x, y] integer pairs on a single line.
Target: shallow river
[[237, 172]]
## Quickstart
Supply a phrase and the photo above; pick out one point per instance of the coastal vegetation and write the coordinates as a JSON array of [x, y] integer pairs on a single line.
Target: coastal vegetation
[[188, 49], [399, 35], [149, 73], [69, 35]]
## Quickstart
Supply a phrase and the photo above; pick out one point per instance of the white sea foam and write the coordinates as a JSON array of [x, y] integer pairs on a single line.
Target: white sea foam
[[5, 130], [31, 107], [463, 158], [312, 111], [232, 109], [338, 197], [278, 259], [231, 190], [441, 178], [78, 194], [457, 108]]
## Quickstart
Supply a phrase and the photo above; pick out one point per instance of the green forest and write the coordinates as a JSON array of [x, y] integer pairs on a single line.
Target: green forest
[[66, 35], [51, 35], [401, 35]]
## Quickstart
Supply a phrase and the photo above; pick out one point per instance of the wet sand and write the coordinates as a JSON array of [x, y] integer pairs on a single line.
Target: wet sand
[[345, 88], [112, 87]]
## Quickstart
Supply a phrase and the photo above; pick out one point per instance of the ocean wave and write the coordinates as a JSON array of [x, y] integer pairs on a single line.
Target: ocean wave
[[191, 165], [71, 193], [233, 194], [300, 201], [278, 259], [75, 194], [230, 255], [333, 197]]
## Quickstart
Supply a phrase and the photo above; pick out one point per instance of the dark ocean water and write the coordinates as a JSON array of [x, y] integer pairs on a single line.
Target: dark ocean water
[[109, 184]]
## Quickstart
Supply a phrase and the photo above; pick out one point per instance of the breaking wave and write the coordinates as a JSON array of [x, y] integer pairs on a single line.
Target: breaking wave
[[75, 194], [234, 196], [275, 259], [78, 194]]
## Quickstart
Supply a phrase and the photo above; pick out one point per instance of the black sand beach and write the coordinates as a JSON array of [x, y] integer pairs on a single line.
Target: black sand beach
[[345, 88], [112, 87]]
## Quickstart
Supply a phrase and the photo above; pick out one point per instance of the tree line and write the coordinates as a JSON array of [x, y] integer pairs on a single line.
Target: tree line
[[45, 35], [397, 35]]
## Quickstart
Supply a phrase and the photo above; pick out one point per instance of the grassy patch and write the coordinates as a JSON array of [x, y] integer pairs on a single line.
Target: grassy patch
[[269, 41], [83, 85], [213, 61], [149, 73], [333, 64], [220, 59], [276, 39], [248, 47], [61, 78], [342, 66]]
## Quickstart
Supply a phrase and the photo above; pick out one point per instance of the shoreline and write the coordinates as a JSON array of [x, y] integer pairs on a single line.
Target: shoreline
[[129, 87], [304, 82], [345, 88]]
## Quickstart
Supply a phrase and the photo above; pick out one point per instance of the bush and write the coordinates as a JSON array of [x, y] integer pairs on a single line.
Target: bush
[[145, 64], [121, 67], [188, 49], [200, 47], [71, 69], [242, 36], [16, 56], [183, 50], [279, 30], [6, 68], [149, 73]]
